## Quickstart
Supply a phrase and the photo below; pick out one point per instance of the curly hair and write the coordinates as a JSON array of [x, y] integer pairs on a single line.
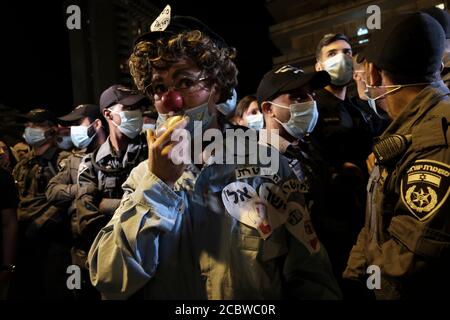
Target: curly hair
[[216, 62]]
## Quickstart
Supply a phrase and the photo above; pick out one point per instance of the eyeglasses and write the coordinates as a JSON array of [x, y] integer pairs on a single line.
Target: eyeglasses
[[184, 85]]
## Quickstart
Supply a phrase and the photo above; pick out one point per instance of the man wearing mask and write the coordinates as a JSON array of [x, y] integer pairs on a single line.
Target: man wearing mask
[[341, 132], [87, 132], [43, 228], [374, 111], [407, 235], [102, 172], [343, 140]]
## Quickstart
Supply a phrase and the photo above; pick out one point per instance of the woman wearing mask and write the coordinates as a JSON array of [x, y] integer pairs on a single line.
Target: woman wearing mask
[[178, 241], [247, 114]]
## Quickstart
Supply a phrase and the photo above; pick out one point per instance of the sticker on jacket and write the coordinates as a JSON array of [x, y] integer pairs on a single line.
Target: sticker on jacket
[[300, 226], [425, 188], [243, 203]]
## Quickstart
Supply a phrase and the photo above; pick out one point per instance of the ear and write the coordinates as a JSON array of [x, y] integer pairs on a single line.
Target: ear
[[97, 124], [107, 114], [318, 66], [373, 75], [267, 109], [239, 121]]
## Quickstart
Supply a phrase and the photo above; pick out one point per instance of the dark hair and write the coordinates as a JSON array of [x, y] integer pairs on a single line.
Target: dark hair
[[217, 62], [328, 39], [243, 105]]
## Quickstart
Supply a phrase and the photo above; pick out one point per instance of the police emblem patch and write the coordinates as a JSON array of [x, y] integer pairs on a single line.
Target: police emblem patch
[[425, 188]]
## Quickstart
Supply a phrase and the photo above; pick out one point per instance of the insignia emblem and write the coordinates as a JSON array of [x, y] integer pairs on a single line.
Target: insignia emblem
[[425, 188]]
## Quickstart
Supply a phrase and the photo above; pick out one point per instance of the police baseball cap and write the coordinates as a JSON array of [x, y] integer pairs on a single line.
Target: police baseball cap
[[81, 112], [407, 44], [441, 16], [287, 79], [40, 115], [118, 94]]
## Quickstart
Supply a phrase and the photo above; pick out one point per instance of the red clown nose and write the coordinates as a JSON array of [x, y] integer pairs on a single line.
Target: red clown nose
[[172, 101]]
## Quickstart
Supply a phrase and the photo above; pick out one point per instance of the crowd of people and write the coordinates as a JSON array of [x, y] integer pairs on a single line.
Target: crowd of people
[[361, 180]]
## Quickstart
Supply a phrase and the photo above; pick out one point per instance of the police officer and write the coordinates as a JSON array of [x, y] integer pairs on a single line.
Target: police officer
[[87, 133], [407, 233], [44, 231], [342, 132], [102, 172]]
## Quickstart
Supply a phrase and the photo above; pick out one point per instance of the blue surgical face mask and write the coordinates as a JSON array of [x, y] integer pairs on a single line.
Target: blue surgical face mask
[[130, 122], [35, 137], [80, 136], [149, 126], [65, 143], [340, 68], [197, 114], [228, 107], [303, 118], [255, 121]]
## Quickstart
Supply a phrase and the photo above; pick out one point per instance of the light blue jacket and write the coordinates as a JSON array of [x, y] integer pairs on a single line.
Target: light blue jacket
[[185, 244]]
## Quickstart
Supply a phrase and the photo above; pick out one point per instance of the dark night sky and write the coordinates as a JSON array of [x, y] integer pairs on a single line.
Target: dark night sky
[[35, 61]]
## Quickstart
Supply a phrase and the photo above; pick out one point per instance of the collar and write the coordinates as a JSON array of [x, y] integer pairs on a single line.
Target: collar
[[106, 149], [266, 139]]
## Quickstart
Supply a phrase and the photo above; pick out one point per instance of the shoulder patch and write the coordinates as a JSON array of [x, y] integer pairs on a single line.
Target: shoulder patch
[[425, 188]]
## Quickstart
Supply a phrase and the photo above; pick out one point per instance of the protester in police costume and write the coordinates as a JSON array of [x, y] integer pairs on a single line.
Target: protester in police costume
[[205, 243], [407, 229]]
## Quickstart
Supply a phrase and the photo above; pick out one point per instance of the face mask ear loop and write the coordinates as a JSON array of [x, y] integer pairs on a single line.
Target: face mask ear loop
[[386, 93], [112, 120], [279, 105]]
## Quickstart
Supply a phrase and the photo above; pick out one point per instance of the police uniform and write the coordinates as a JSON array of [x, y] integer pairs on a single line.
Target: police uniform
[[342, 133], [407, 230], [100, 178], [44, 231], [63, 189]]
